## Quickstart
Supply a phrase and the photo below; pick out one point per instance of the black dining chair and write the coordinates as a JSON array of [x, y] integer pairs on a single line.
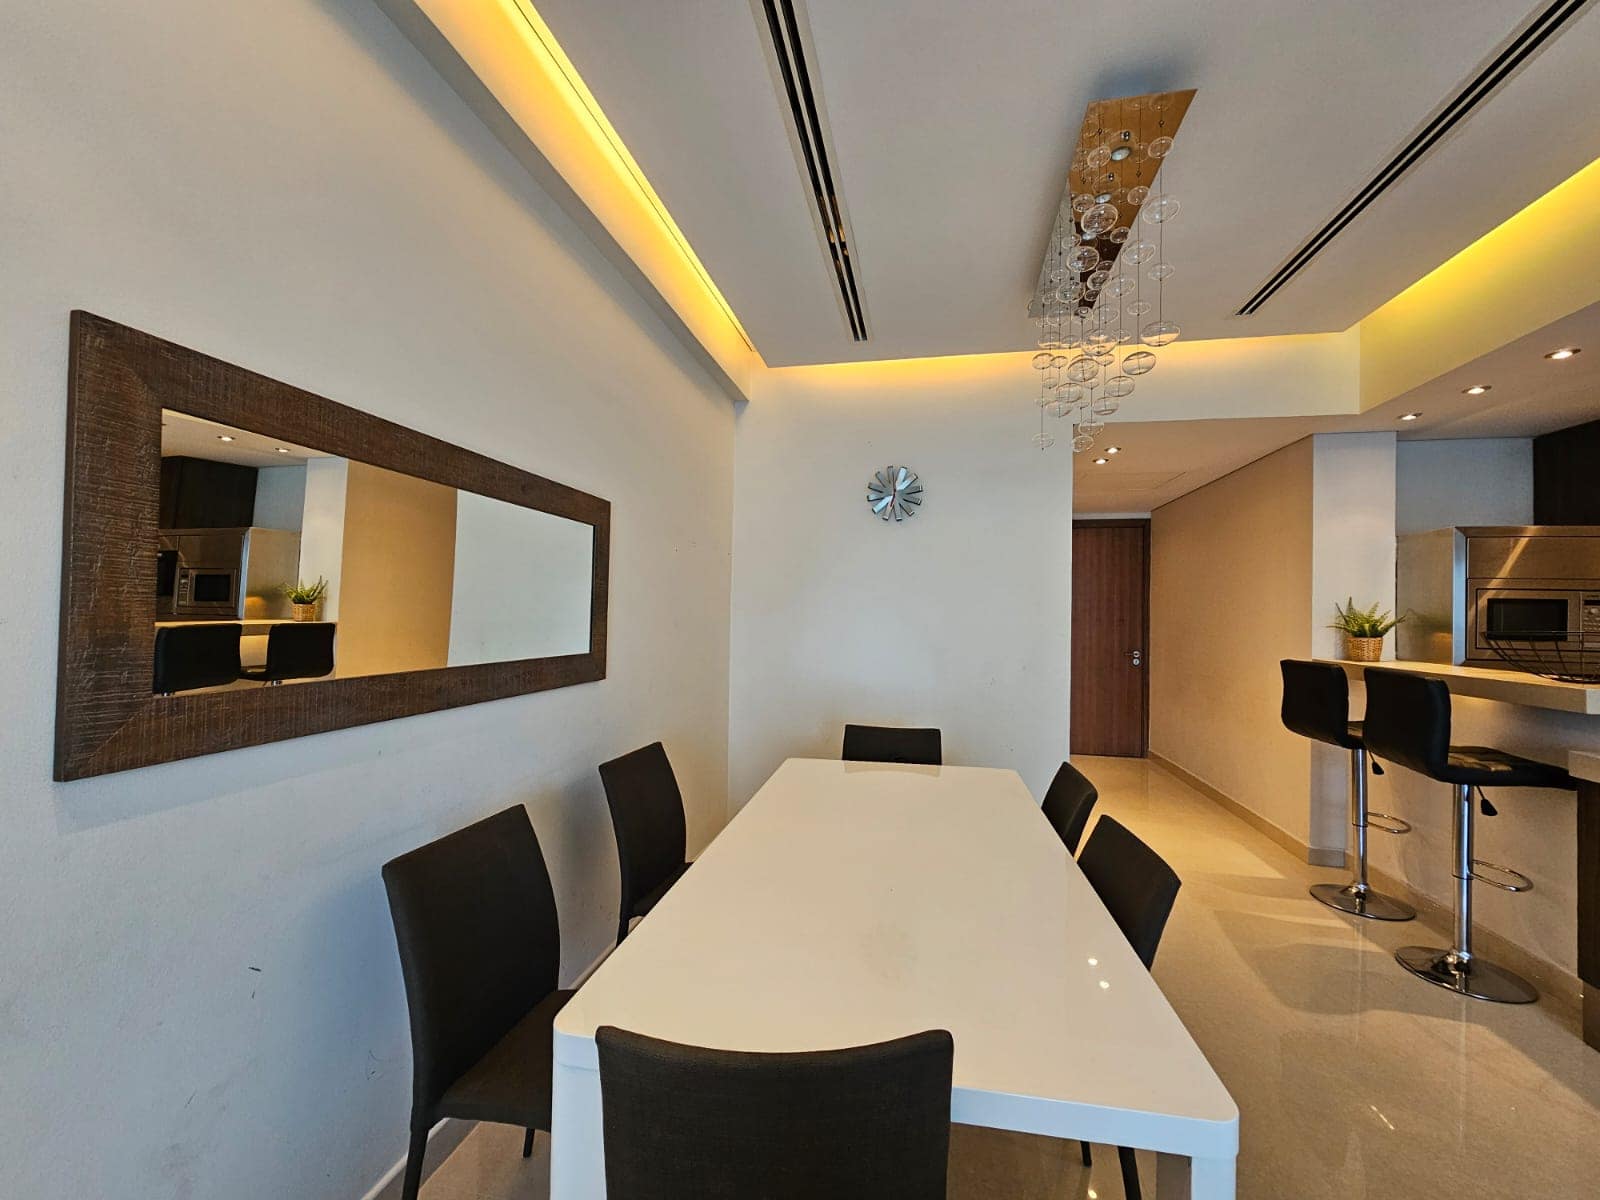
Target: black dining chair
[[885, 744], [195, 656], [1067, 804], [863, 1123], [480, 945], [1138, 889], [296, 650], [647, 817]]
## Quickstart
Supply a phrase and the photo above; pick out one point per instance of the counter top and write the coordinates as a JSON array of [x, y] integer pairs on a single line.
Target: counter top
[[1486, 683], [1585, 765]]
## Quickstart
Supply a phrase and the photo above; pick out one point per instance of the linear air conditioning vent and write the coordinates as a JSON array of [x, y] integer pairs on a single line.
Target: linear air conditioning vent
[[1505, 63], [813, 147]]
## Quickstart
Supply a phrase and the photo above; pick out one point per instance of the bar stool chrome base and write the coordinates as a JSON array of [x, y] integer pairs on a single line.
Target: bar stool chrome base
[[1475, 978], [1359, 900]]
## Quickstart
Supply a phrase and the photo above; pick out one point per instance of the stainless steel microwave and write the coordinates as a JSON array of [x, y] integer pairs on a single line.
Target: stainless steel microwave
[[1466, 586]]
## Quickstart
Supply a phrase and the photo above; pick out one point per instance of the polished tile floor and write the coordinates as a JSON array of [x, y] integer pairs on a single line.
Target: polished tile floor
[[1354, 1080]]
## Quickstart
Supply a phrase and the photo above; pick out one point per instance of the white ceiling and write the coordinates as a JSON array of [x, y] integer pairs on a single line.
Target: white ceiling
[[1529, 395], [952, 121], [196, 437]]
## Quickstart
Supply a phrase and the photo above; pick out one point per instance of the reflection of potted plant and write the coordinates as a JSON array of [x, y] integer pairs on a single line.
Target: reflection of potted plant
[[306, 598], [1363, 629]]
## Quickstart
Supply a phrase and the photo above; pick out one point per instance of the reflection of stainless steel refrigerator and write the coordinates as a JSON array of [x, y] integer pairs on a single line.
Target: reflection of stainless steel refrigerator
[[226, 574]]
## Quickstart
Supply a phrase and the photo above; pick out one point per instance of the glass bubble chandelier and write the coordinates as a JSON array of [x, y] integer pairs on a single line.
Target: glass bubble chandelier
[[1100, 303]]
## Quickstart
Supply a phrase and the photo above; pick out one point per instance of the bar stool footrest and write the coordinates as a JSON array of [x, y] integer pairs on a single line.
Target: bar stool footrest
[[1395, 824], [1518, 881]]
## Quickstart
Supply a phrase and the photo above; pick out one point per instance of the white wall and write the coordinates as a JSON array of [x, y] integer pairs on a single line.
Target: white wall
[[201, 996], [957, 618], [1464, 481], [322, 529], [523, 583], [280, 496]]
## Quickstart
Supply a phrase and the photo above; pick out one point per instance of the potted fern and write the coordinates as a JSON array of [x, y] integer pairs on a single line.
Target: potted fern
[[1364, 629], [306, 598]]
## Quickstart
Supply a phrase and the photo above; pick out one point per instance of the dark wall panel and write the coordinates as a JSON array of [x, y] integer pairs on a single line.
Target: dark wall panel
[[1566, 476]]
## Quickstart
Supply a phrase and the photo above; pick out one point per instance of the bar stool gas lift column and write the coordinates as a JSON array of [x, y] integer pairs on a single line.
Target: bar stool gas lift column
[[1316, 705], [1408, 723]]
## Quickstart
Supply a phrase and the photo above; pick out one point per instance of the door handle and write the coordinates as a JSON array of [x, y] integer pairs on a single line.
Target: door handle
[[1137, 656]]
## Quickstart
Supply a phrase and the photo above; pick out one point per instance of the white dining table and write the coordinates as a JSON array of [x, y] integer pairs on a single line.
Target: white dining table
[[850, 903]]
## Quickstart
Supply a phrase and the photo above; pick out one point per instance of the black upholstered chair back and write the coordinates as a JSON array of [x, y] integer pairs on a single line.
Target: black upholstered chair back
[[881, 743], [300, 650], [480, 944], [1067, 804], [196, 656], [1133, 882], [865, 1123], [647, 814], [1316, 701], [1408, 721]]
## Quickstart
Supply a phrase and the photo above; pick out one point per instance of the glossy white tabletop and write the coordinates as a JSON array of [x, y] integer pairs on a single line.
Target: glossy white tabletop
[[854, 902]]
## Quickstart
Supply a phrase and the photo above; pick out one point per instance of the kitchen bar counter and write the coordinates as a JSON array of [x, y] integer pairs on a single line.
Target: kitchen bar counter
[[1486, 683]]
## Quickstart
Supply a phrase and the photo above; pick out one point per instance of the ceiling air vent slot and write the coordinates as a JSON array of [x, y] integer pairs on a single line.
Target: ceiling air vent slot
[[812, 144], [1496, 71]]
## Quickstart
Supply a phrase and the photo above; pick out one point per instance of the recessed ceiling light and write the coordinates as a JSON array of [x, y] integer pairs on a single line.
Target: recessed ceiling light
[[1120, 153], [1113, 449], [283, 449], [1410, 416], [1102, 198], [1563, 353], [224, 437], [1100, 462], [1476, 389]]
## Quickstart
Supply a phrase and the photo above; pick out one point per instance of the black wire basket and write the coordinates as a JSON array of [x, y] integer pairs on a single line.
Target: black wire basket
[[1571, 657]]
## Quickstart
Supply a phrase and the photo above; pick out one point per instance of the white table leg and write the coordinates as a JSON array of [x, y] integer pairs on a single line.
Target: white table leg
[[577, 1146], [1180, 1178]]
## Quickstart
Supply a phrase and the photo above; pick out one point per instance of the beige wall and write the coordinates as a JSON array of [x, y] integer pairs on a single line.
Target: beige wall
[[1230, 578], [398, 573]]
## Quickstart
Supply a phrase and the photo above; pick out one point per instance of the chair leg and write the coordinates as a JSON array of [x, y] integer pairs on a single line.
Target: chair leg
[[527, 1143], [1130, 1173], [1088, 1159], [413, 1179]]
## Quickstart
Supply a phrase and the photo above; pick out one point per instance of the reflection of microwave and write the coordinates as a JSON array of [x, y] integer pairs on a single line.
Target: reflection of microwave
[[206, 592], [225, 574]]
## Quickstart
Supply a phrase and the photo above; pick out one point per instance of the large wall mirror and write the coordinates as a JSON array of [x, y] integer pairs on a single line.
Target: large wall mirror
[[246, 562]]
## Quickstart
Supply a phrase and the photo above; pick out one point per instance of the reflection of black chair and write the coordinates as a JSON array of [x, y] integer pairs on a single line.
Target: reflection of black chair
[[196, 656], [296, 650]]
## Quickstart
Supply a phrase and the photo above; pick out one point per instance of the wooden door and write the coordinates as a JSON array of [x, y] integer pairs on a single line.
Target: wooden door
[[1110, 636]]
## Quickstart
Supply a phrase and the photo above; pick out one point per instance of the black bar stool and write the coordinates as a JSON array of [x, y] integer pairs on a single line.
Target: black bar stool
[[1316, 704], [1408, 722]]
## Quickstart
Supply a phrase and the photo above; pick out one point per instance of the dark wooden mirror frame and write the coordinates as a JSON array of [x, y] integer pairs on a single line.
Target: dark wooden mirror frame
[[107, 718]]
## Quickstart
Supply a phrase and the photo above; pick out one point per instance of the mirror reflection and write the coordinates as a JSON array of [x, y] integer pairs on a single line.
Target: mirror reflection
[[278, 563]]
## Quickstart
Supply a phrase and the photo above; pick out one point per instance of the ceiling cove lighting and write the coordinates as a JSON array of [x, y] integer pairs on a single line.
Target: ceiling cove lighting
[[1564, 353], [1409, 416], [1476, 389], [1099, 299]]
